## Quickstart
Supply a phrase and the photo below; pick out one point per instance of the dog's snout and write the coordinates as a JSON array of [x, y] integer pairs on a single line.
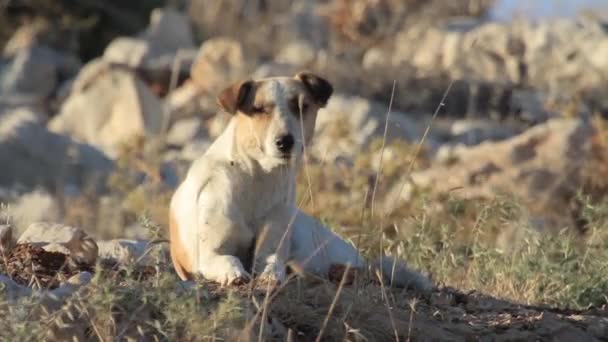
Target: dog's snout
[[285, 143]]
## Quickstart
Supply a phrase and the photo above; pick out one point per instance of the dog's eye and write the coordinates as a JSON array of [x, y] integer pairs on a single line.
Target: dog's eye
[[258, 109], [295, 107]]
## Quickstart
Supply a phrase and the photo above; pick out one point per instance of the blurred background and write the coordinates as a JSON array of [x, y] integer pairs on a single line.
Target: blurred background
[[103, 105]]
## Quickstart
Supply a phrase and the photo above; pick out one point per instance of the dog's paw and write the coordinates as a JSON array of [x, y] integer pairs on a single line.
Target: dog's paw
[[228, 270], [273, 273]]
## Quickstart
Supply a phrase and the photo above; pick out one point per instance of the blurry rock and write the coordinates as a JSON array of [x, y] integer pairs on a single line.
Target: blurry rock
[[32, 74], [300, 53], [530, 106], [35, 206], [12, 290], [184, 131], [219, 63], [375, 58], [32, 156], [127, 50], [189, 100], [169, 30], [107, 107], [473, 132], [195, 149], [6, 238], [540, 166], [275, 69], [81, 247], [127, 252], [348, 124]]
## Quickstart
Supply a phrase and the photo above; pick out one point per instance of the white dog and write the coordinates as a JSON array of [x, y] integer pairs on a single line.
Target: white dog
[[237, 202]]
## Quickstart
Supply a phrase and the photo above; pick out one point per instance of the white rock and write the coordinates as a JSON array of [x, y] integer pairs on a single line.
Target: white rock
[[348, 124], [48, 235], [184, 131], [299, 53], [110, 109], [541, 167], [219, 63], [126, 251], [34, 72], [195, 149], [127, 50], [169, 30], [32, 156]]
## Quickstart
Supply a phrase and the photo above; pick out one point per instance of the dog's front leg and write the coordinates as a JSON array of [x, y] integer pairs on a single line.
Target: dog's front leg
[[273, 245]]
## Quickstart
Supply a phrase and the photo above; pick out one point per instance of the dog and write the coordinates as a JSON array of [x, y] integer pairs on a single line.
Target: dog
[[234, 216]]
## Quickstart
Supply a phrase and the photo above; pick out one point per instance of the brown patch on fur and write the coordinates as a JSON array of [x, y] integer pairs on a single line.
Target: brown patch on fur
[[179, 257], [251, 130], [237, 97]]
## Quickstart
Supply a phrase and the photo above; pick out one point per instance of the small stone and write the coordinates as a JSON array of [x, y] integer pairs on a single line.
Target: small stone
[[82, 248]]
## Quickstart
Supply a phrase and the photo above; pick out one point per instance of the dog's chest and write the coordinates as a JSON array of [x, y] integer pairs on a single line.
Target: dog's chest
[[259, 195]]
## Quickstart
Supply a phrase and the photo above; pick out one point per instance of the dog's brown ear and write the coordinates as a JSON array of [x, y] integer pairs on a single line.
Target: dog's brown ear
[[236, 96], [319, 88]]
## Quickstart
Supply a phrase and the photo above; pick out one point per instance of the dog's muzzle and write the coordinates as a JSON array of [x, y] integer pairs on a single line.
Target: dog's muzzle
[[285, 143]]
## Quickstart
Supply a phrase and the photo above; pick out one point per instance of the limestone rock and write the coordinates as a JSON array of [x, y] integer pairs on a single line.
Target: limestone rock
[[540, 166], [348, 124], [109, 110], [32, 156], [219, 63], [81, 247]]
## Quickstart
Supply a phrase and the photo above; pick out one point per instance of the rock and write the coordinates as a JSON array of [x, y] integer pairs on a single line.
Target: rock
[[348, 124], [540, 166], [219, 63], [33, 73], [299, 53], [474, 132], [275, 69], [126, 251], [195, 149], [169, 30], [6, 238], [35, 206], [188, 101], [32, 156], [184, 131], [127, 50], [117, 106], [13, 290], [48, 235]]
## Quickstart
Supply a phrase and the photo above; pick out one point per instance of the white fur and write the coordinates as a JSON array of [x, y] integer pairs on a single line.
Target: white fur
[[233, 197]]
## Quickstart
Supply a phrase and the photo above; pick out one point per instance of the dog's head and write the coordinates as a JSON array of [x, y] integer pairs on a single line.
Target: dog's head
[[276, 116]]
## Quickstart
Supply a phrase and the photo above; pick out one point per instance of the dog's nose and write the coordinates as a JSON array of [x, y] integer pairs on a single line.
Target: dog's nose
[[285, 143]]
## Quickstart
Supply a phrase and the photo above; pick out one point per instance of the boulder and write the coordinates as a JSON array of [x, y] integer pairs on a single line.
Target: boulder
[[32, 156], [184, 131], [348, 124], [31, 75], [126, 251], [300, 53], [541, 167], [168, 32], [54, 237], [109, 106], [219, 63]]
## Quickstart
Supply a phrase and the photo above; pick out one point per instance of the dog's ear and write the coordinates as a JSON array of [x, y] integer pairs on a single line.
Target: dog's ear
[[236, 96], [319, 88]]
